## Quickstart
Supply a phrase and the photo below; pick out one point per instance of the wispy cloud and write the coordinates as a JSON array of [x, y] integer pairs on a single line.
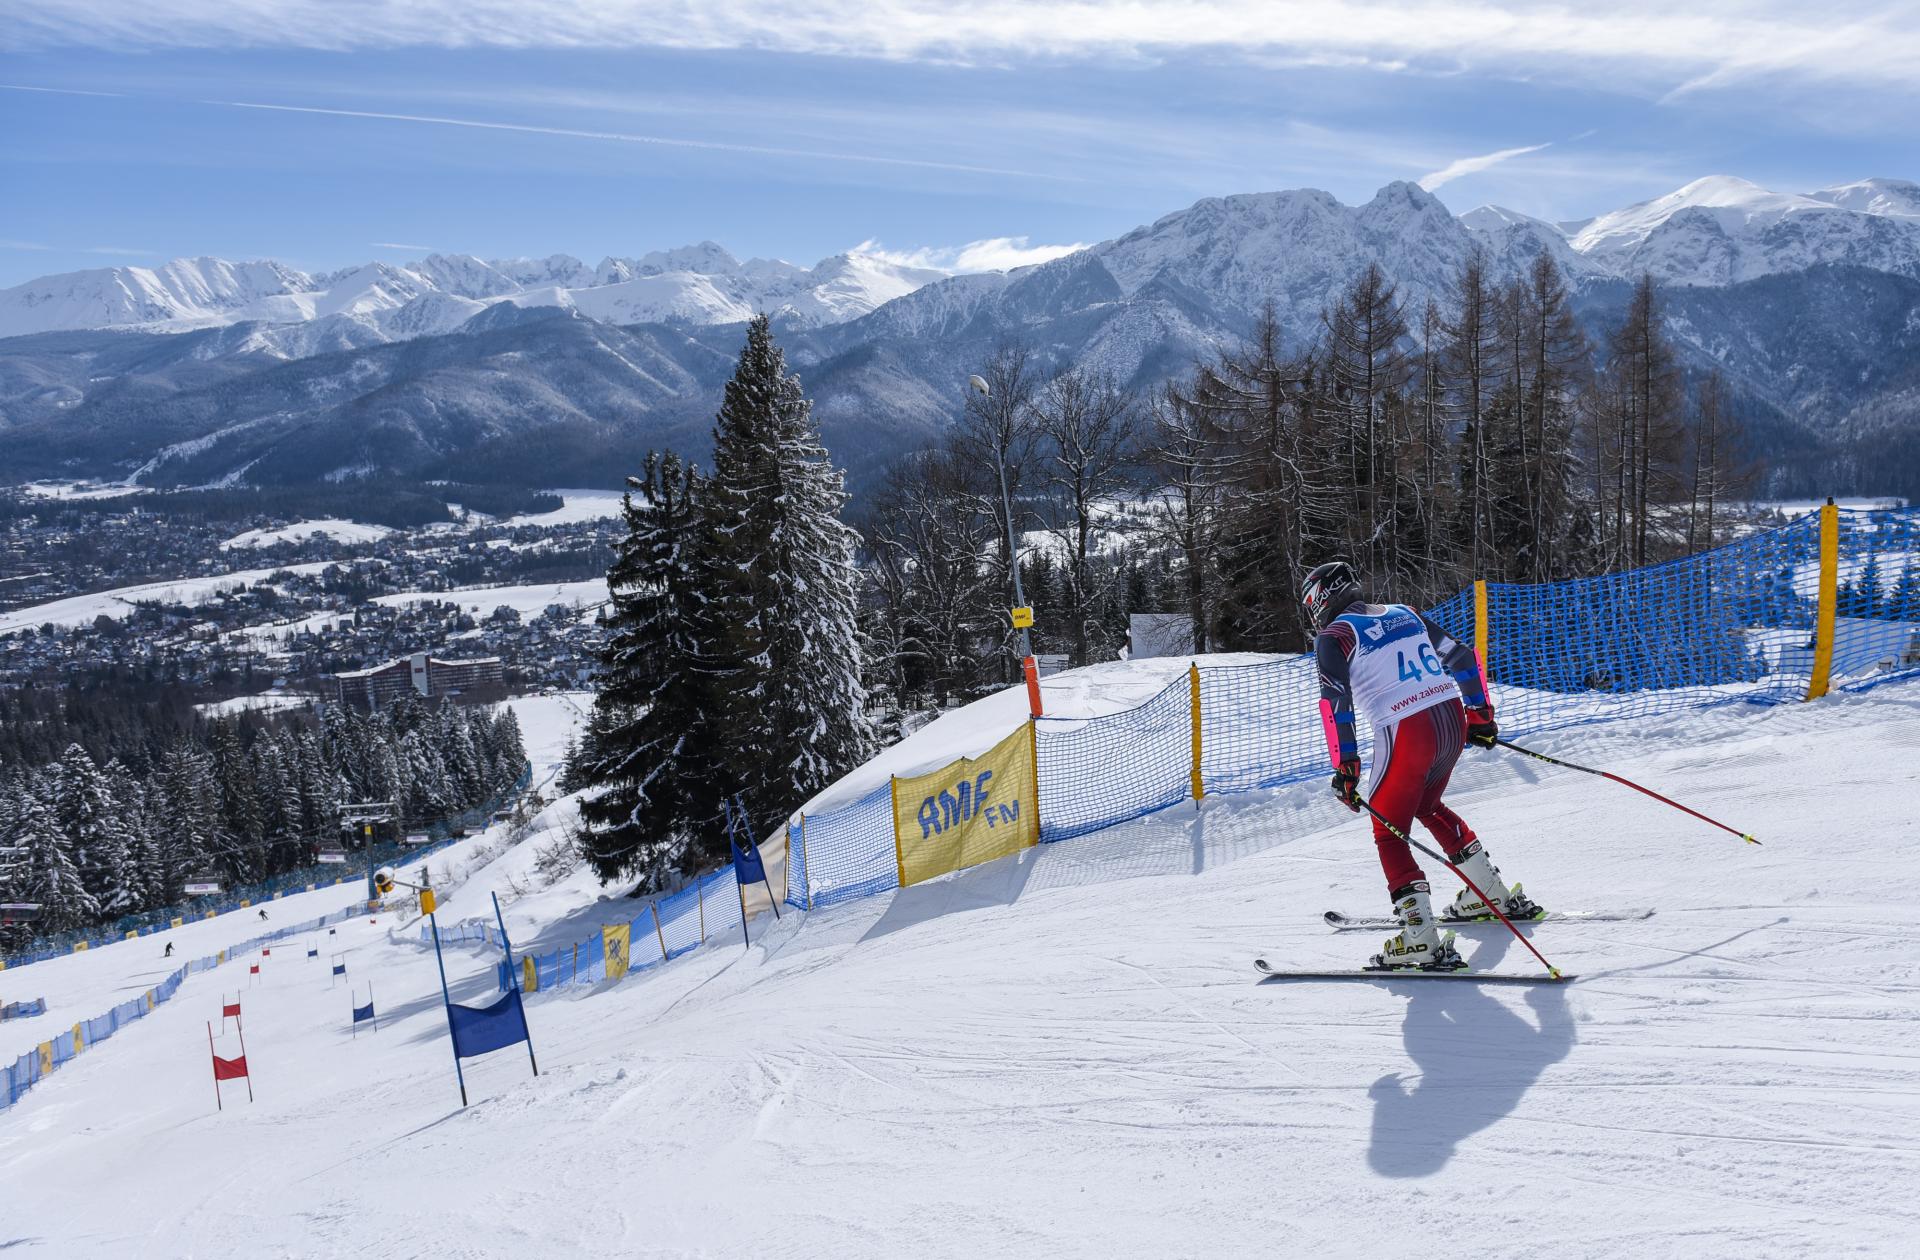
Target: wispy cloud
[[22, 87], [41, 247], [997, 253], [1699, 44], [625, 137], [412, 249], [1471, 165]]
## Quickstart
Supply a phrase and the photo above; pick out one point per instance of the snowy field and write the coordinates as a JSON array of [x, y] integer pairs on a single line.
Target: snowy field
[[575, 506], [1066, 1052], [78, 610], [331, 527]]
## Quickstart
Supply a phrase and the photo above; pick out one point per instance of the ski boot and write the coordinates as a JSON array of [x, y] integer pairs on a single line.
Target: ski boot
[[1467, 906], [1419, 946]]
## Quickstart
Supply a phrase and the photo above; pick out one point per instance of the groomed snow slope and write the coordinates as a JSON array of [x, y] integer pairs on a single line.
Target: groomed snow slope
[[1066, 1053]]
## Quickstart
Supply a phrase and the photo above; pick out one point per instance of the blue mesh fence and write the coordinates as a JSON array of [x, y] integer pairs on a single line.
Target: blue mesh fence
[[1732, 625], [1876, 632], [1095, 772], [706, 908], [849, 852], [1252, 733]]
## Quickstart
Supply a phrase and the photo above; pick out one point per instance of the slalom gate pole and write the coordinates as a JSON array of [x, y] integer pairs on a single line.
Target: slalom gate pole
[[217, 1103], [771, 899], [1484, 899], [447, 997], [243, 1054], [746, 942], [513, 979], [1607, 774]]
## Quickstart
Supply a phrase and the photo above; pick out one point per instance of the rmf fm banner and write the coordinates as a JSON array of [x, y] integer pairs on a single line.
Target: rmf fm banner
[[973, 811]]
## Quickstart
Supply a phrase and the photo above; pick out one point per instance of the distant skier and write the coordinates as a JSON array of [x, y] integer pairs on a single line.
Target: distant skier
[[169, 952], [1394, 664], [263, 915]]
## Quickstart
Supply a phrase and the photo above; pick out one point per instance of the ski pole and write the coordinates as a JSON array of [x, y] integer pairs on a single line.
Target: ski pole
[[1485, 900], [1605, 774]]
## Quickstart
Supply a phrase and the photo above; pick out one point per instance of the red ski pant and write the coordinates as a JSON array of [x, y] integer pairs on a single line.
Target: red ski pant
[[1412, 761]]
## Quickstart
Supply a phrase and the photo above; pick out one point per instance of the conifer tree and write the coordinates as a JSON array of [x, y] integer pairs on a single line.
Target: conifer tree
[[92, 830], [777, 569], [649, 751], [45, 870]]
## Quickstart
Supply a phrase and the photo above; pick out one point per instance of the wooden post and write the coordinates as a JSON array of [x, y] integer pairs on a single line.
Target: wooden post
[[658, 933]]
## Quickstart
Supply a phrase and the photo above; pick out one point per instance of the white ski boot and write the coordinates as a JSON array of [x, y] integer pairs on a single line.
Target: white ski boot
[[1467, 906], [1419, 946]]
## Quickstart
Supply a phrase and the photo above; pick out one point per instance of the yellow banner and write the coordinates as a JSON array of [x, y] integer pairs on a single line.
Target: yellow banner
[[616, 940], [530, 981], [973, 811], [46, 1057], [79, 1038]]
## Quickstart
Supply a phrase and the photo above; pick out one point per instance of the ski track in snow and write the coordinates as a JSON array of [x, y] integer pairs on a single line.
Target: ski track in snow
[[1067, 1053]]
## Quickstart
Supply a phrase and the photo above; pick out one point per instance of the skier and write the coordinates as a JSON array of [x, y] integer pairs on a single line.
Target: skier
[[169, 952], [263, 916], [1394, 664]]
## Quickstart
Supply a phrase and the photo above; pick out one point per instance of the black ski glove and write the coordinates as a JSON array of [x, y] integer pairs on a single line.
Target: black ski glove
[[1482, 730], [1346, 784]]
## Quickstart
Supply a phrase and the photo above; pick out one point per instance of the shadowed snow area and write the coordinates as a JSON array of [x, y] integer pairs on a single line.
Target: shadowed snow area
[[1066, 1053]]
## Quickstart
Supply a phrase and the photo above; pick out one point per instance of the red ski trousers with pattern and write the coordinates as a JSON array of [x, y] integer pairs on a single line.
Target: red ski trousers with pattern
[[1412, 761]]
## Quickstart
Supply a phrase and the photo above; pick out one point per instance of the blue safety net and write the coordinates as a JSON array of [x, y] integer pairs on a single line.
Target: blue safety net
[[1095, 772], [1876, 630], [849, 852]]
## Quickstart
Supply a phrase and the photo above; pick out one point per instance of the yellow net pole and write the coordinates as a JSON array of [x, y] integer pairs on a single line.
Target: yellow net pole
[[1829, 598], [1193, 687], [1480, 622]]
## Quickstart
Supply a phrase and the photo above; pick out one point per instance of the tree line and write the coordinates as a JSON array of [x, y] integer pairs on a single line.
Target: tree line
[[1486, 437], [92, 841]]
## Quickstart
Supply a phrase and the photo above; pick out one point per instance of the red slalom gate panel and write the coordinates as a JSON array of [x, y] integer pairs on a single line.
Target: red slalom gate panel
[[229, 1069]]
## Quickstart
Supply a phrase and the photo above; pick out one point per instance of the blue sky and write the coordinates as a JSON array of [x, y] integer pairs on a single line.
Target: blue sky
[[963, 135]]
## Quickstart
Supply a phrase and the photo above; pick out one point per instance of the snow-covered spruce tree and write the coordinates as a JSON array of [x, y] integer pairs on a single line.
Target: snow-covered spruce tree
[[777, 570], [45, 871], [650, 754], [94, 832]]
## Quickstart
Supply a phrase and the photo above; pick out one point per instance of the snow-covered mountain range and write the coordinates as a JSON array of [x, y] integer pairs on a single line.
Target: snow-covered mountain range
[[379, 302], [1289, 246], [212, 372]]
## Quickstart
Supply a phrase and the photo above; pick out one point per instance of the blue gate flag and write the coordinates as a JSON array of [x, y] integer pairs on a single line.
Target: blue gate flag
[[339, 969], [482, 1029], [747, 867], [362, 1013]]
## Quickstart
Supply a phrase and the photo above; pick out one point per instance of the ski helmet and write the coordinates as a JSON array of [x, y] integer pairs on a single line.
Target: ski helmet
[[1328, 587]]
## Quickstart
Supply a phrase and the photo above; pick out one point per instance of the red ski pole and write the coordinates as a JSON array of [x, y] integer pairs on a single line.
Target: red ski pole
[[1485, 900], [1607, 774]]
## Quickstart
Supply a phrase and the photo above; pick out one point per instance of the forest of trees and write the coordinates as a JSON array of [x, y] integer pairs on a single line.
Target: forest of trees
[[91, 836], [1484, 437]]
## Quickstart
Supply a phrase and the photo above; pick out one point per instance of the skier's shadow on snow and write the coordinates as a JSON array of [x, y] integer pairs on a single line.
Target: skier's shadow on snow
[[1476, 1059]]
